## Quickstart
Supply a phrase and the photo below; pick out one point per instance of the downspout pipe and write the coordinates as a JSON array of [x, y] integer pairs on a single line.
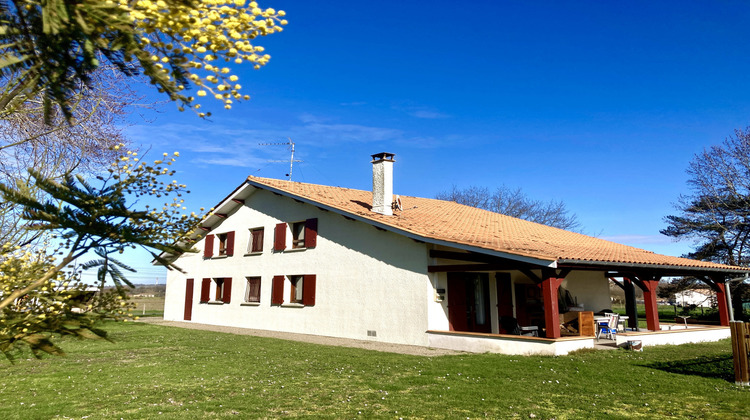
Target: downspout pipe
[[729, 295]]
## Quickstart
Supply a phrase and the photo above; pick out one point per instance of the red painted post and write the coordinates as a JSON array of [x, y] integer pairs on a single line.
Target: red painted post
[[649, 298], [551, 311], [722, 304]]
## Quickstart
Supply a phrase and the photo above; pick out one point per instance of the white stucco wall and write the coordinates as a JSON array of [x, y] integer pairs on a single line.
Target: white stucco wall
[[504, 344], [366, 280], [675, 336], [590, 288], [355, 290]]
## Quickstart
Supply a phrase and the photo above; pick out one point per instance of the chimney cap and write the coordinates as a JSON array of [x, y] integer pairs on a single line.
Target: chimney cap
[[378, 157]]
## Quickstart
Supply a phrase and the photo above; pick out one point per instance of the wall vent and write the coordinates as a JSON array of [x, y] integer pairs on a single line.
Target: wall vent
[[372, 333]]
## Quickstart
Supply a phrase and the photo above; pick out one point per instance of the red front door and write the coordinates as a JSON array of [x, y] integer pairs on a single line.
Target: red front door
[[469, 302], [189, 300]]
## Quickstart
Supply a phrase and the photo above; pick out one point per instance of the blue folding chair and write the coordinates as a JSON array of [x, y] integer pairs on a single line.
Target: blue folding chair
[[608, 327]]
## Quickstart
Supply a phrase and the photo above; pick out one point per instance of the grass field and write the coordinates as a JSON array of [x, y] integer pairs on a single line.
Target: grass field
[[151, 371], [154, 306]]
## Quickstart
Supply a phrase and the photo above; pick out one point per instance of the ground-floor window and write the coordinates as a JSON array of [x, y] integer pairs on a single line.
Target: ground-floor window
[[300, 289], [297, 288], [219, 287], [253, 290]]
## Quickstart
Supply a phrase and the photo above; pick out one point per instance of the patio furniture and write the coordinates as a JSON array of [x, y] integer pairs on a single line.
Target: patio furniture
[[510, 325], [578, 323], [608, 326], [621, 323]]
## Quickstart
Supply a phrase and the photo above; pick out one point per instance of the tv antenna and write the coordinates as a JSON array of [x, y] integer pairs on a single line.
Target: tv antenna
[[290, 145]]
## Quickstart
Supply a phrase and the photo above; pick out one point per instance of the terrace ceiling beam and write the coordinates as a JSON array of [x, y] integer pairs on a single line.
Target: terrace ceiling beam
[[469, 267], [476, 257]]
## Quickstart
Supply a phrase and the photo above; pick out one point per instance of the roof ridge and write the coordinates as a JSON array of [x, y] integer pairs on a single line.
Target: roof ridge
[[454, 203], [480, 230]]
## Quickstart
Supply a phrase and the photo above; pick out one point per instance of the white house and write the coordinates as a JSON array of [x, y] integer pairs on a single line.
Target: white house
[[702, 298], [313, 259]]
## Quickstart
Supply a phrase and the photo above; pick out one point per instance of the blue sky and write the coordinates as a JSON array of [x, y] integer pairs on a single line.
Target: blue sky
[[599, 104]]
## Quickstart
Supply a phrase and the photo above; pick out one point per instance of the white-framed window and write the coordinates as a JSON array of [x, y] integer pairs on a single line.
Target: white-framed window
[[293, 289], [296, 288], [304, 235], [298, 234], [222, 243], [218, 289]]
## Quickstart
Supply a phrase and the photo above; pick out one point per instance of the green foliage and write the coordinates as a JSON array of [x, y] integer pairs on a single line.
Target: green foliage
[[722, 223], [86, 218], [668, 290], [106, 265], [53, 46], [101, 218], [59, 305], [716, 215], [152, 371]]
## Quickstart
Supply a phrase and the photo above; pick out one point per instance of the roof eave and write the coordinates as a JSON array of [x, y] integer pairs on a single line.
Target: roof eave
[[410, 235], [660, 268], [211, 218]]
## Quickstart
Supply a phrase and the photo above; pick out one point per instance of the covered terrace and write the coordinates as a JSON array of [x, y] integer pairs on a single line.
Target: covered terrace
[[529, 291]]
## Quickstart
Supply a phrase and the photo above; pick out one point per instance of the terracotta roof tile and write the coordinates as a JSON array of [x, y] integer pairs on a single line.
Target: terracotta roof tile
[[459, 224]]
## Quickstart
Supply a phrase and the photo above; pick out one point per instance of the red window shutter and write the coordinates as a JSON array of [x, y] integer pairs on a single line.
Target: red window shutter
[[205, 290], [188, 315], [311, 233], [279, 242], [277, 290], [230, 244], [227, 297], [208, 248], [308, 290]]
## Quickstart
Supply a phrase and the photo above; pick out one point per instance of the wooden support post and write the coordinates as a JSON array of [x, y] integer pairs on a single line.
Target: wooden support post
[[649, 298], [740, 348], [631, 309], [722, 304], [717, 283], [550, 284]]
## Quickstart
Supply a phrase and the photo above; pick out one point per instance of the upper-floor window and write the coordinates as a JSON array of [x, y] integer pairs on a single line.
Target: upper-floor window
[[298, 234], [222, 242], [255, 243], [303, 235]]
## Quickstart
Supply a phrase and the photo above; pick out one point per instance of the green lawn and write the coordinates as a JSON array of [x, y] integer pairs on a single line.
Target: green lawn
[[152, 371], [154, 306]]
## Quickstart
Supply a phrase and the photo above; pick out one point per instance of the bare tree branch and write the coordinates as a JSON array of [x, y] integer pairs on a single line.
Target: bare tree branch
[[513, 202]]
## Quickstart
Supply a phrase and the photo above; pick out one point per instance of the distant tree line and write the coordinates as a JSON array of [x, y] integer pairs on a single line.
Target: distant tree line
[[514, 203], [716, 213]]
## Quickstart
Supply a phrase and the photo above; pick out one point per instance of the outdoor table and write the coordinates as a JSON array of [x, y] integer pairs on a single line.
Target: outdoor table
[[620, 322]]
